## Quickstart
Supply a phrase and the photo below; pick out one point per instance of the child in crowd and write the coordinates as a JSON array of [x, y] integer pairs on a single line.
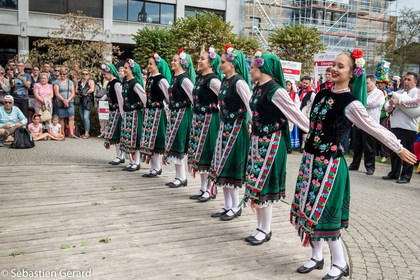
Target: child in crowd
[[55, 131], [36, 128]]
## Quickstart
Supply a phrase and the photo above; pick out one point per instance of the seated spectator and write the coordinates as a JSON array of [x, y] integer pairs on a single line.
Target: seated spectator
[[55, 130], [4, 85], [43, 93], [11, 117], [36, 128]]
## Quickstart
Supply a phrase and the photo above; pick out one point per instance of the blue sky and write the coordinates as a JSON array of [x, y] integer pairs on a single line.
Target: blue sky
[[415, 4]]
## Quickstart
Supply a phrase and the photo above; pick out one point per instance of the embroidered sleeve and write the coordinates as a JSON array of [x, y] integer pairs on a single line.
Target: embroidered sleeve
[[358, 115], [375, 99], [244, 92], [163, 85], [410, 101], [282, 101], [140, 92], [118, 91], [188, 86], [215, 85]]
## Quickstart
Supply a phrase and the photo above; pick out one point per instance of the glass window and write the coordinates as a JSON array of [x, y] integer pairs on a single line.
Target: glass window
[[136, 10], [190, 12], [120, 9], [152, 12], [10, 4], [91, 8], [193, 10], [47, 6], [167, 14], [255, 21]]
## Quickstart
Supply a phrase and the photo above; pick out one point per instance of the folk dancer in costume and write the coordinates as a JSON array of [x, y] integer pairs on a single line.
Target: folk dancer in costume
[[206, 120], [230, 156], [271, 108], [320, 207], [155, 121], [179, 127], [134, 98], [115, 101], [294, 130]]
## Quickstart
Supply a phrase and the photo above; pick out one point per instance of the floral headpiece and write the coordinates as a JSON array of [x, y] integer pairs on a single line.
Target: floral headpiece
[[357, 55], [258, 60], [212, 53], [230, 54], [130, 61], [156, 56], [105, 68], [182, 56]]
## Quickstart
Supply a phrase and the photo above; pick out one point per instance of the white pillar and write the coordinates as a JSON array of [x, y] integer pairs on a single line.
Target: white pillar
[[180, 8], [23, 19]]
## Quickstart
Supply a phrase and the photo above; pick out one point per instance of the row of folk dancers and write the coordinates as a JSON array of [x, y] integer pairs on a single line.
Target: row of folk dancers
[[234, 138]]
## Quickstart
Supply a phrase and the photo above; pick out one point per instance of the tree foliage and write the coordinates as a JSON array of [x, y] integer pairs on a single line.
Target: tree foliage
[[406, 49], [77, 43], [150, 40], [297, 43], [203, 31], [246, 44]]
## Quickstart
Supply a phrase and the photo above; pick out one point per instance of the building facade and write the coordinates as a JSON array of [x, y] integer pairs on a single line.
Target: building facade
[[24, 21], [344, 24]]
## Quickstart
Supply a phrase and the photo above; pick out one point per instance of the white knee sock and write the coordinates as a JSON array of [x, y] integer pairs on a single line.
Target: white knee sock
[[337, 254], [137, 158], [204, 177], [155, 163], [228, 199], [180, 171], [234, 194], [316, 252], [266, 214], [117, 149], [259, 224]]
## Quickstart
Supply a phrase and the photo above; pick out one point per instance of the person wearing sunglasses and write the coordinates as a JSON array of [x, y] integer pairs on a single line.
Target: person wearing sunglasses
[[4, 85], [11, 117], [21, 83]]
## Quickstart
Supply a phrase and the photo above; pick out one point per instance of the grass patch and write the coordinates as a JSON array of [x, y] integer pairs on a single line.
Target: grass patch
[[105, 240], [96, 203], [14, 254]]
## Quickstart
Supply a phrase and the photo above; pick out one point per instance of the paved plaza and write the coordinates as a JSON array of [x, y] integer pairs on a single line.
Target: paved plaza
[[66, 212]]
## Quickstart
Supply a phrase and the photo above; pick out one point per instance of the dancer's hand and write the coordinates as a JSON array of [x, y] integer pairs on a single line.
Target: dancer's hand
[[407, 156]]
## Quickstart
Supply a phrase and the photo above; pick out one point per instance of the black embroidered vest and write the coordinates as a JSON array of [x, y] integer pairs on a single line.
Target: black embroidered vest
[[131, 99], [178, 98], [306, 99], [205, 101], [266, 117], [155, 95], [231, 105], [112, 95], [328, 124]]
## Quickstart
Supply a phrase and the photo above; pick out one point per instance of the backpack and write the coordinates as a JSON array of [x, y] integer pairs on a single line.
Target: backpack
[[22, 139]]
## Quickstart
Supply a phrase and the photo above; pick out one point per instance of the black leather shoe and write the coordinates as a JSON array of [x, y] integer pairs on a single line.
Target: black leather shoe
[[117, 161], [133, 167], [344, 271], [204, 199], [353, 168], [389, 177], [236, 214], [318, 265], [195, 196], [219, 214], [369, 172], [127, 167], [254, 241], [152, 174], [178, 184], [403, 181]]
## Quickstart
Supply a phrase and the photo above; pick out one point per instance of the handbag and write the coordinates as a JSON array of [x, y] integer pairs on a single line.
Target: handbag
[[87, 102], [76, 100], [45, 115]]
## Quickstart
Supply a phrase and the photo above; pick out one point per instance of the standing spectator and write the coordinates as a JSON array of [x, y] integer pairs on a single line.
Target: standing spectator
[[4, 85], [85, 89], [36, 128], [328, 83], [20, 84], [404, 127], [364, 143], [35, 78], [102, 84], [11, 117], [64, 105], [294, 129], [55, 75], [43, 92], [121, 72], [46, 68], [306, 96]]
